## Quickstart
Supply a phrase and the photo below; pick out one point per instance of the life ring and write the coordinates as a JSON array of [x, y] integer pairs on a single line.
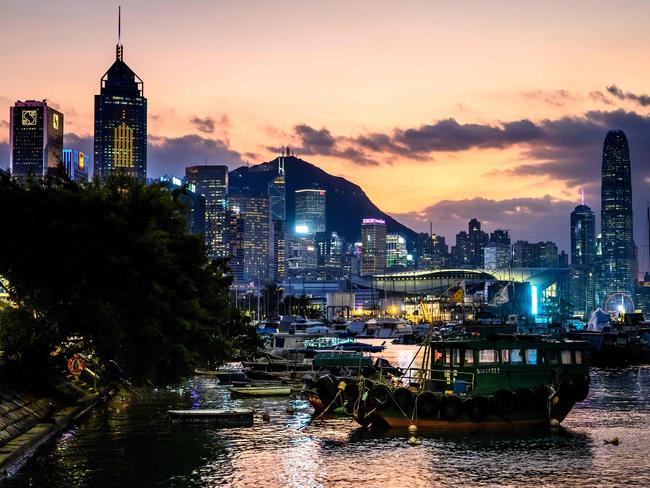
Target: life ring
[[428, 405], [404, 399], [503, 402], [76, 364], [380, 397], [451, 407], [524, 399], [477, 408]]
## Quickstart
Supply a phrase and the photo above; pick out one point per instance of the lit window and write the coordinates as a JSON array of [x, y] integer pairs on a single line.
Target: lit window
[[505, 356], [566, 357], [487, 356], [457, 356], [447, 356], [578, 355], [531, 356], [516, 356], [469, 357]]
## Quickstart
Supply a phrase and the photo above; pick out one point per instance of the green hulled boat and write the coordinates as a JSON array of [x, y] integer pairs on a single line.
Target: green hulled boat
[[501, 382]]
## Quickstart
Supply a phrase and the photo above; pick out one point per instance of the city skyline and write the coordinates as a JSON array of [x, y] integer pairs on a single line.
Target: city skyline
[[528, 143]]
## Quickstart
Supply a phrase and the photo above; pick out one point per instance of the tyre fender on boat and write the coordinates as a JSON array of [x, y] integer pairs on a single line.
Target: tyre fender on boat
[[503, 402], [524, 399], [404, 399], [380, 396], [427, 405], [451, 407], [477, 408]]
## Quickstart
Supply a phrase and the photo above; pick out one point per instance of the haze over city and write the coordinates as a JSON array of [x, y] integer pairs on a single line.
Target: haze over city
[[439, 112]]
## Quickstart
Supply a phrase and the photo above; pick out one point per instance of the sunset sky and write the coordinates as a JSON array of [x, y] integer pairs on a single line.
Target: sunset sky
[[440, 111]]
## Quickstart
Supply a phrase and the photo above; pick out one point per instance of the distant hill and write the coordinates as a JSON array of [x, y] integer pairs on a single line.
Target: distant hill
[[346, 204]]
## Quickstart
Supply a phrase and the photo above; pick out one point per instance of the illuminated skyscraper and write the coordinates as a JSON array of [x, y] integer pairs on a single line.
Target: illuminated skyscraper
[[583, 259], [250, 259], [373, 238], [618, 274], [35, 139], [120, 122], [310, 211], [212, 183], [396, 252], [277, 203]]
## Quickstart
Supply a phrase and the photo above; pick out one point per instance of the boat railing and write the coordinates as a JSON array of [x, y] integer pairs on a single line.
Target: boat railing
[[437, 379]]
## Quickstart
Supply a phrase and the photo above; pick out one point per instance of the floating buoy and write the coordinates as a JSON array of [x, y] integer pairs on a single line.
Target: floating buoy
[[413, 441], [413, 429], [291, 410], [554, 423], [266, 417], [556, 400], [613, 442]]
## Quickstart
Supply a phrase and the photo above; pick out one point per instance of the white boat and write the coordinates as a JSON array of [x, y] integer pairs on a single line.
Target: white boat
[[387, 327], [356, 327]]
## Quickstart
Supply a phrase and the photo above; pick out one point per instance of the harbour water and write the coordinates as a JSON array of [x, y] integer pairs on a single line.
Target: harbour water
[[131, 442]]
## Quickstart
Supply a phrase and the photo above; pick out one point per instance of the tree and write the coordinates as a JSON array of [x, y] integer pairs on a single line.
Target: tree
[[114, 266]]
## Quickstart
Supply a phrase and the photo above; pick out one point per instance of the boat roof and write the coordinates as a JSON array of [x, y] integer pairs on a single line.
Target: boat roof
[[514, 341]]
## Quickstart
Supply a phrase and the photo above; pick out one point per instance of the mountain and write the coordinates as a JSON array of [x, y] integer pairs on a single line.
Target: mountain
[[346, 203]]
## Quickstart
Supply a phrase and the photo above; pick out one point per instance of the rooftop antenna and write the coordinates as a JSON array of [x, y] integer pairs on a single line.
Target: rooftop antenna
[[118, 48], [582, 196]]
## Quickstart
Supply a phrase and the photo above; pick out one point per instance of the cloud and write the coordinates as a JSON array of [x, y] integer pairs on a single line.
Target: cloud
[[557, 98], [209, 124], [532, 219], [599, 96], [643, 100], [321, 142], [170, 155]]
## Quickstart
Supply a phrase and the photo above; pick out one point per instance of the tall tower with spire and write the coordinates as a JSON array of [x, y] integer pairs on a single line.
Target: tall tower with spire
[[583, 258], [618, 273], [120, 120]]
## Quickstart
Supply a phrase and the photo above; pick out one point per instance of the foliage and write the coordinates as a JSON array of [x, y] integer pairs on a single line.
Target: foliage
[[112, 264]]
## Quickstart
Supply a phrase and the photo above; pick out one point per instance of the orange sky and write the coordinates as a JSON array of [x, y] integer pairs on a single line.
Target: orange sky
[[353, 68]]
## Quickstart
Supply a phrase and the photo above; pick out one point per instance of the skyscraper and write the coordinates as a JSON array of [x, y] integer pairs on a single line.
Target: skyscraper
[[120, 121], [396, 251], [35, 139], [583, 236], [250, 260], [212, 183], [310, 211], [277, 243], [618, 274], [373, 238]]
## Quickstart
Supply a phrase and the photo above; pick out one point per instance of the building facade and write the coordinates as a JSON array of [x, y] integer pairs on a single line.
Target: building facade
[[211, 181], [396, 252], [249, 240], [35, 139], [310, 211], [75, 164], [120, 123], [373, 241], [496, 255], [618, 255], [583, 259], [277, 244], [193, 203]]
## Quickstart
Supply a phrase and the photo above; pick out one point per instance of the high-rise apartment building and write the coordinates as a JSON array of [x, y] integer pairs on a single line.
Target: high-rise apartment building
[[35, 139], [250, 239], [396, 252]]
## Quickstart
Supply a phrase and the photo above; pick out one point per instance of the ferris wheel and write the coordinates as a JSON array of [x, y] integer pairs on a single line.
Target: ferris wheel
[[619, 302]]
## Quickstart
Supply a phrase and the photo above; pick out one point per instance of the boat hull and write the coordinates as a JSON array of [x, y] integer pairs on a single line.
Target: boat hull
[[260, 391]]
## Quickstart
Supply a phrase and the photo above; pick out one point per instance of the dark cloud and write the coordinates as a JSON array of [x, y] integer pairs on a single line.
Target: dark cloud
[[170, 155], [532, 219], [204, 125], [599, 96], [322, 142], [643, 100]]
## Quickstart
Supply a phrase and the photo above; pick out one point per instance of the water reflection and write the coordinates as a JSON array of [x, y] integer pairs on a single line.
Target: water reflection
[[131, 442]]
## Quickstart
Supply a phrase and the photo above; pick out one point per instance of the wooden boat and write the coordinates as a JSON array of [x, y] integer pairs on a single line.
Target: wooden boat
[[238, 417], [259, 391], [502, 382]]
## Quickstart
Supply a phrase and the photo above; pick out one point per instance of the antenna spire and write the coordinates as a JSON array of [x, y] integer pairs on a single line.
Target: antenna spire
[[582, 196], [118, 48]]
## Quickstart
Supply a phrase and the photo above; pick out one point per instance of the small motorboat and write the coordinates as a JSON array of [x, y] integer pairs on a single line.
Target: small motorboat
[[259, 391]]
